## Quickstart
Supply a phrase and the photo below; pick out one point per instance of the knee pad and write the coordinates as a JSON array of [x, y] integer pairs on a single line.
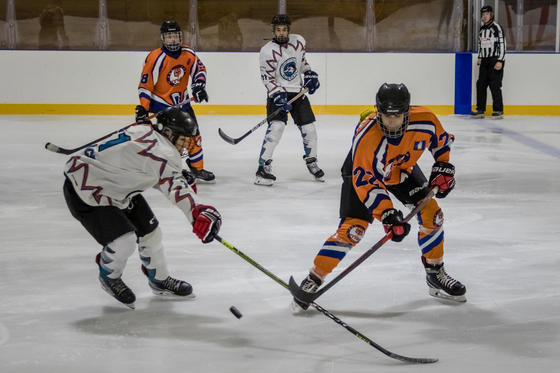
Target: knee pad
[[115, 255], [150, 249], [309, 137]]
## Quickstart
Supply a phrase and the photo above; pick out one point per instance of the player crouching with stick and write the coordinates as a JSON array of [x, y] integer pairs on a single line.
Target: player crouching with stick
[[103, 189], [385, 149]]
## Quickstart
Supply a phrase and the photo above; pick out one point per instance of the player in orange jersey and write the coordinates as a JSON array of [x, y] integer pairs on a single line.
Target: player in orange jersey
[[164, 83], [385, 149]]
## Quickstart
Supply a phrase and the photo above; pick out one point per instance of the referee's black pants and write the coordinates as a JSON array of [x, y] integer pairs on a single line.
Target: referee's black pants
[[489, 77]]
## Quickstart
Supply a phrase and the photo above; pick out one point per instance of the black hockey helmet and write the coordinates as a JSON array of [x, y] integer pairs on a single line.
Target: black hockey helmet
[[280, 19], [171, 28], [393, 99], [486, 8], [174, 122]]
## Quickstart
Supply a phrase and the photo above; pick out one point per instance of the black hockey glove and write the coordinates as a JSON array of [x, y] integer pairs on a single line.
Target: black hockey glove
[[443, 176], [191, 180], [392, 220], [281, 101], [311, 81], [199, 91], [141, 115]]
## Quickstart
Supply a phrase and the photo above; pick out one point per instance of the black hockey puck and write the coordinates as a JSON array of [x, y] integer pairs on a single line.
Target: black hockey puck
[[236, 312]]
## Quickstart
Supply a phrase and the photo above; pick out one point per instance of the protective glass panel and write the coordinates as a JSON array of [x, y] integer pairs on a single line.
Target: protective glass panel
[[240, 25], [135, 24], [330, 25], [421, 25], [528, 24], [56, 24]]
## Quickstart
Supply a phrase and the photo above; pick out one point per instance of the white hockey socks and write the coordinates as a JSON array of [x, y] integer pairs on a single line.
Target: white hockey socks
[[115, 254], [150, 248], [271, 140]]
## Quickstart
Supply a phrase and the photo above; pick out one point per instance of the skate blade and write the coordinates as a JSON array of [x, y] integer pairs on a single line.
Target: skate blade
[[437, 293], [481, 116], [170, 295], [108, 291], [320, 179], [265, 182], [296, 309], [497, 117], [202, 181]]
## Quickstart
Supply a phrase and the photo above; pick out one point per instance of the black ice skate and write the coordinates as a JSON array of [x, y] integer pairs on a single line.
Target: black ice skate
[[477, 114], [115, 287], [314, 169], [498, 115], [169, 287], [204, 176], [443, 286], [263, 175], [310, 285]]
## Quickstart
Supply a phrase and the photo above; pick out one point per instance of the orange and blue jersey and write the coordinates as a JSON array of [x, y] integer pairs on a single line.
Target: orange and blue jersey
[[378, 161], [165, 78]]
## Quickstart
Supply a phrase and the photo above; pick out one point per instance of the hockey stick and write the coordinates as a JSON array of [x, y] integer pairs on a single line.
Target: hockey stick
[[234, 141], [310, 297], [57, 149], [416, 360]]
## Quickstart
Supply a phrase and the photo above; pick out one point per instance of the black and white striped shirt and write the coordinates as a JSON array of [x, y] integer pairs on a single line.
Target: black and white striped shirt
[[491, 42]]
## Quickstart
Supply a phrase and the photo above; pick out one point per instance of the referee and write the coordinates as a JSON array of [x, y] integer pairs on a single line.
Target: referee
[[491, 55]]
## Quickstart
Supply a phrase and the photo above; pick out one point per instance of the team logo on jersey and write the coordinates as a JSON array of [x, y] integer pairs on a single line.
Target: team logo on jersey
[[355, 233], [175, 75], [394, 162], [438, 218], [288, 69]]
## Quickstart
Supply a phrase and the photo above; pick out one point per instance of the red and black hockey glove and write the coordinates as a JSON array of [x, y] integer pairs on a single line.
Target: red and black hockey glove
[[392, 220], [443, 176], [207, 222]]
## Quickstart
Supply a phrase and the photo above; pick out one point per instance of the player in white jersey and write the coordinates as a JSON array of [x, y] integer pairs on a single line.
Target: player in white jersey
[[282, 64], [103, 189]]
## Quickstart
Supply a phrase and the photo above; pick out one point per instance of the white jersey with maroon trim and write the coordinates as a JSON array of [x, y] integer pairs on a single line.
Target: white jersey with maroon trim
[[282, 65], [116, 169]]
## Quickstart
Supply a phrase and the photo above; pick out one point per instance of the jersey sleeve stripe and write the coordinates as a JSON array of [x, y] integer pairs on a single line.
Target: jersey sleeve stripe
[[157, 67]]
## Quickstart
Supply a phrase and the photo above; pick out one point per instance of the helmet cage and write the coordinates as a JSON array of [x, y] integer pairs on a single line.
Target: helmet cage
[[393, 99], [176, 40]]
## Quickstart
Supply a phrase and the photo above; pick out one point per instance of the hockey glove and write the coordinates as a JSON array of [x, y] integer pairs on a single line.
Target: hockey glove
[[443, 176], [281, 101], [207, 222], [191, 180], [199, 91], [392, 220], [311, 81], [141, 115]]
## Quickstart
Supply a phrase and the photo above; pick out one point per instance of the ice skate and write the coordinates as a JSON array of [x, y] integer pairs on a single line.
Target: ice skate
[[477, 114], [115, 287], [498, 115], [171, 287], [310, 285], [443, 286], [204, 176], [263, 175], [314, 169]]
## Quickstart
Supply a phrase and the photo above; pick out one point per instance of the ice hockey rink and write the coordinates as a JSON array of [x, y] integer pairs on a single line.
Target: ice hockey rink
[[501, 225]]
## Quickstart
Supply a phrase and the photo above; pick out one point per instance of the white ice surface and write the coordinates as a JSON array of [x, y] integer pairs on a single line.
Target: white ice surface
[[502, 231]]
